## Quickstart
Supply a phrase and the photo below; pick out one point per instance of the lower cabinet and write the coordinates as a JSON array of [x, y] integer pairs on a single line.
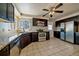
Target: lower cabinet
[[25, 39], [77, 37], [57, 34], [34, 36], [5, 51], [47, 35]]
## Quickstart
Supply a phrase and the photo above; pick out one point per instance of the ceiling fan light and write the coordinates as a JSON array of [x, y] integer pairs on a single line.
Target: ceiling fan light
[[53, 9], [51, 15], [53, 12]]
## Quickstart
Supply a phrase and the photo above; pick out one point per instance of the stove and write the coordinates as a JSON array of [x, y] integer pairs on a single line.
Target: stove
[[42, 36]]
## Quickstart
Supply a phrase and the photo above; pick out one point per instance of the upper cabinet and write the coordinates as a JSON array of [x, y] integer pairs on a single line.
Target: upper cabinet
[[39, 22], [10, 11], [3, 10], [7, 11]]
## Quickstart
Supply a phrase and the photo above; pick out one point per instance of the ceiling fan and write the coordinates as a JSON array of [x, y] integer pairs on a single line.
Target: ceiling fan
[[53, 10]]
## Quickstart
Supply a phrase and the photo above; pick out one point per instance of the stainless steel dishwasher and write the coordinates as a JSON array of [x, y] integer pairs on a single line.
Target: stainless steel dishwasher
[[14, 47]]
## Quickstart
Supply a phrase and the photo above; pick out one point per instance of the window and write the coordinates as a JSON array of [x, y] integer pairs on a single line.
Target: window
[[5, 26], [24, 24]]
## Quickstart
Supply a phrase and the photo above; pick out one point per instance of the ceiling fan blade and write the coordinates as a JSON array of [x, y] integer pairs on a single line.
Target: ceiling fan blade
[[59, 5], [45, 14], [58, 11], [45, 10]]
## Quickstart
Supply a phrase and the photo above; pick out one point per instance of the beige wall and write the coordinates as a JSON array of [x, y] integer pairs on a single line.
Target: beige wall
[[32, 28], [50, 22]]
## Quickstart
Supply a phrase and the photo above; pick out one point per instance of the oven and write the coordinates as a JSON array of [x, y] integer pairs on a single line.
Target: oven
[[42, 36]]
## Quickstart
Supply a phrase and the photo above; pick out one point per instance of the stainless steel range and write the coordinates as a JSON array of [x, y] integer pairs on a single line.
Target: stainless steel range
[[42, 36]]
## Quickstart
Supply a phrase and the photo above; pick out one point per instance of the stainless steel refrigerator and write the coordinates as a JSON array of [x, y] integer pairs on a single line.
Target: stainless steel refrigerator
[[70, 31]]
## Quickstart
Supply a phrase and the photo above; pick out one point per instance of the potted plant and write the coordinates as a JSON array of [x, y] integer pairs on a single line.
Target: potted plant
[[40, 30]]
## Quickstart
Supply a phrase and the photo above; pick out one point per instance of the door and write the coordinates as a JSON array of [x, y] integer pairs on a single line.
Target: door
[[70, 31], [62, 33]]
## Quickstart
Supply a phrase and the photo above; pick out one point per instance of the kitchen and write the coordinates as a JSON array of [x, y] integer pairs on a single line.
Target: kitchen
[[17, 34], [19, 30]]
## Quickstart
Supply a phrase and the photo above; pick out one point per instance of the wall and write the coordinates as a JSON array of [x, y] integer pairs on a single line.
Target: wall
[[31, 27], [34, 28], [51, 22], [68, 16]]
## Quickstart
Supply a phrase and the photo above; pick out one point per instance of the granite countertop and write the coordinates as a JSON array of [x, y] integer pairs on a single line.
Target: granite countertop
[[2, 46], [11, 38]]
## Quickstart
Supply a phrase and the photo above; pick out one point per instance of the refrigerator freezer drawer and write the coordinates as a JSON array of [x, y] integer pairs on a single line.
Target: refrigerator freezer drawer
[[62, 36], [70, 31], [70, 37]]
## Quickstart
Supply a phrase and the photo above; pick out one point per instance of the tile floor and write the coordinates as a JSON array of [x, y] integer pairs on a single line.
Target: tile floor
[[52, 47]]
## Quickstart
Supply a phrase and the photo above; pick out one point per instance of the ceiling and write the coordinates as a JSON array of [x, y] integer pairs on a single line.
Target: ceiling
[[35, 9]]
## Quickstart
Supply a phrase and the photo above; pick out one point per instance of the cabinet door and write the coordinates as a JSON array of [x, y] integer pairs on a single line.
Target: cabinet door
[[47, 36], [25, 40], [45, 23], [34, 22], [10, 12], [34, 36]]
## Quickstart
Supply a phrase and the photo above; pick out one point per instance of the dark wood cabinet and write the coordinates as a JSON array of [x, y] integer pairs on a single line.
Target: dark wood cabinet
[[7, 11], [5, 51], [37, 21], [57, 34], [10, 12], [34, 22], [34, 36], [25, 39], [47, 35], [45, 23]]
